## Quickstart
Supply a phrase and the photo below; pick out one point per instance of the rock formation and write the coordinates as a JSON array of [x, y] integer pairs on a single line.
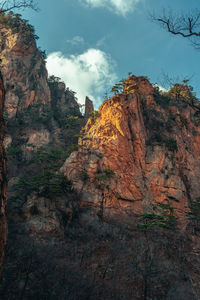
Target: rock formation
[[23, 68], [42, 116], [140, 150], [110, 232], [3, 179], [88, 107]]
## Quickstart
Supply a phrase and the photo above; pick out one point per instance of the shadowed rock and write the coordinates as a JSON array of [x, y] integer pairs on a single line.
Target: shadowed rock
[[88, 107], [3, 181]]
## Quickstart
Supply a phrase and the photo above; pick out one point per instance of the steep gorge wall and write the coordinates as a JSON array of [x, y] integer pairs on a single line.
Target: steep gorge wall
[[24, 70], [34, 104], [42, 120], [3, 178], [141, 150]]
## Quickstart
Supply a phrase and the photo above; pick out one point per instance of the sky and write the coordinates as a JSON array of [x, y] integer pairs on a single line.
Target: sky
[[92, 44]]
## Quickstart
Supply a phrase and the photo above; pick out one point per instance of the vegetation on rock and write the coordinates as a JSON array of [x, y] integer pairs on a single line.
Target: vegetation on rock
[[18, 25], [164, 217], [123, 192]]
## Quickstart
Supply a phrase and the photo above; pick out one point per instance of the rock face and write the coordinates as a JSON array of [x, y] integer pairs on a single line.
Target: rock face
[[142, 149], [134, 172], [88, 107], [42, 116], [3, 179], [24, 71]]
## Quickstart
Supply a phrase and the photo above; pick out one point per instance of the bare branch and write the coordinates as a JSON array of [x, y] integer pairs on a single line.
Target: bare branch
[[187, 26], [9, 5]]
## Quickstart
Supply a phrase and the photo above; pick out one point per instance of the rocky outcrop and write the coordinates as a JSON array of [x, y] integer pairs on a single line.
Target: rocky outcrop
[[88, 107], [3, 179], [42, 117], [142, 149], [134, 170], [23, 68]]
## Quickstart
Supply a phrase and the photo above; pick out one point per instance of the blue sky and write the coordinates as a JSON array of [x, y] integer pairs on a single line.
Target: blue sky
[[92, 44]]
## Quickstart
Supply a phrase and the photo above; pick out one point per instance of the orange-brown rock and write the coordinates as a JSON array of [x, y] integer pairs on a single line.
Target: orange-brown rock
[[88, 107], [141, 149], [3, 180], [24, 71], [40, 112]]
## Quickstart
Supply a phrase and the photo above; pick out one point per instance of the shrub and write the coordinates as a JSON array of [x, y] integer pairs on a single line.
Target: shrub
[[45, 185], [66, 218], [42, 177], [109, 172], [71, 149], [143, 102], [105, 174], [118, 87], [14, 151], [101, 177], [51, 160], [164, 217], [182, 92], [34, 210], [43, 53], [70, 121], [155, 138], [171, 144], [162, 98], [17, 24], [84, 175], [53, 80], [194, 213], [94, 114], [35, 114], [58, 186]]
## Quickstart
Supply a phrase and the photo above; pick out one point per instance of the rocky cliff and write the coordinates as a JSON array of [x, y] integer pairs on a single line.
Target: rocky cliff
[[122, 222], [41, 127], [140, 151], [24, 71], [3, 178]]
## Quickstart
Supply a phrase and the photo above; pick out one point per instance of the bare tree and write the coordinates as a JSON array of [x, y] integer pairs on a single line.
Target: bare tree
[[8, 5], [185, 25]]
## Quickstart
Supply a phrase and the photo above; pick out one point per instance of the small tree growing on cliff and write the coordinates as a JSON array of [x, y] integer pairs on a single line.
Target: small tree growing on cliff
[[194, 215], [118, 87]]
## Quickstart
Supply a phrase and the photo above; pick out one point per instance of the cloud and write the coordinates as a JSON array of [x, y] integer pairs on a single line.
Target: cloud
[[121, 7], [88, 74], [101, 42], [163, 89], [76, 40]]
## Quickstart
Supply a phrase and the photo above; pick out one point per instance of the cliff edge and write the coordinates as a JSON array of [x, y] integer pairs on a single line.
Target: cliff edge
[[141, 150]]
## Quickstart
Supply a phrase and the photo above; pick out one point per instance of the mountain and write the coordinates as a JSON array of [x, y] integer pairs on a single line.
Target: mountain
[[141, 150], [104, 205]]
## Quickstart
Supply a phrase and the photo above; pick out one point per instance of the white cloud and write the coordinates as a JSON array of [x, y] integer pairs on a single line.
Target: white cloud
[[76, 40], [88, 74], [162, 89], [101, 42], [121, 7]]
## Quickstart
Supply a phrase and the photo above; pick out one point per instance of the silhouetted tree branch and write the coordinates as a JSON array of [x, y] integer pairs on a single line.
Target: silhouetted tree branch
[[9, 5], [185, 25]]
